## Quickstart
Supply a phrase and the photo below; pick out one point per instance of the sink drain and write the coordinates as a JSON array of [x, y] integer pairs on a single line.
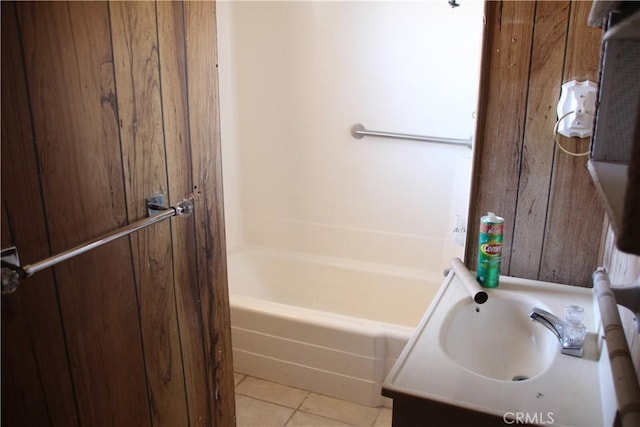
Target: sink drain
[[519, 378]]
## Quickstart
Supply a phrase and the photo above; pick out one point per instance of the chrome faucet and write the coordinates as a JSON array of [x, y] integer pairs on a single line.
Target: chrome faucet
[[558, 327]]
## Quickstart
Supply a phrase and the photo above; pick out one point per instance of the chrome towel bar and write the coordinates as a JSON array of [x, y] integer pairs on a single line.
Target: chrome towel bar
[[13, 272], [358, 131]]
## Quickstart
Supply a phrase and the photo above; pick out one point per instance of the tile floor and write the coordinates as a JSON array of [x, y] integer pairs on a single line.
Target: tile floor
[[262, 403]]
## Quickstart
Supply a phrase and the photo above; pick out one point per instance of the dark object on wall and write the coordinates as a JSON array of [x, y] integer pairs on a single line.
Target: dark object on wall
[[615, 148]]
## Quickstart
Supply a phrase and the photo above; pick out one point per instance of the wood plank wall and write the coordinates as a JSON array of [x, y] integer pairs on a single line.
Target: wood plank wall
[[553, 216], [103, 105]]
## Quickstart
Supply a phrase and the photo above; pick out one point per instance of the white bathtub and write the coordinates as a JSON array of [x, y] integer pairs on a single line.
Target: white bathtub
[[323, 324]]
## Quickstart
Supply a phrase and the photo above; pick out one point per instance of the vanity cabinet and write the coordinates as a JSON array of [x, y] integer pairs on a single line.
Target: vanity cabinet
[[411, 411]]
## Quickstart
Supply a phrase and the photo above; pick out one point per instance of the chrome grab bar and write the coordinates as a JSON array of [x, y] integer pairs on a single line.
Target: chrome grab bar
[[358, 131], [13, 272]]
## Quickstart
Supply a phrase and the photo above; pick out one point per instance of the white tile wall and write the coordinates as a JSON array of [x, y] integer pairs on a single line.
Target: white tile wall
[[294, 78]]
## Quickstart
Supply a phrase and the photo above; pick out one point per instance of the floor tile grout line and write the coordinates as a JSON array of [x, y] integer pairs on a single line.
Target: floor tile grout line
[[293, 411], [305, 412], [326, 417], [303, 400], [289, 419], [308, 393], [323, 417], [380, 411], [298, 407], [266, 401], [244, 377], [378, 408]]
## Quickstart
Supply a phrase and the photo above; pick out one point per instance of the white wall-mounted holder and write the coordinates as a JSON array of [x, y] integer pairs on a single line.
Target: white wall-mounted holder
[[576, 108]]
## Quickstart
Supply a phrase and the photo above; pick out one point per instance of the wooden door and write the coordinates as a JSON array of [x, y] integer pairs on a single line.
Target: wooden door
[[103, 105]]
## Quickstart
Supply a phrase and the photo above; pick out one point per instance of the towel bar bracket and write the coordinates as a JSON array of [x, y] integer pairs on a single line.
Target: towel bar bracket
[[13, 271], [155, 205]]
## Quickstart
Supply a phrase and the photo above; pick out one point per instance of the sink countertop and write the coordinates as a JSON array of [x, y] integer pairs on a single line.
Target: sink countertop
[[567, 389]]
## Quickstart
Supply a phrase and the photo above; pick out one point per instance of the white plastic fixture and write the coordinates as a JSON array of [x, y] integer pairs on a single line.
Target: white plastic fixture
[[460, 231], [576, 108]]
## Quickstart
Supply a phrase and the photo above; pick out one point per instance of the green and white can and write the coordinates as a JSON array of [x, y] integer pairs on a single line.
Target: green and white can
[[490, 250]]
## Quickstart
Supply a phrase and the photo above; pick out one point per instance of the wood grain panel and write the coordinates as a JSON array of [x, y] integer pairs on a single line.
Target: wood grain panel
[[36, 382], [136, 65], [5, 239], [574, 219], [70, 77], [135, 332], [171, 35], [564, 250], [201, 54], [545, 78], [502, 111]]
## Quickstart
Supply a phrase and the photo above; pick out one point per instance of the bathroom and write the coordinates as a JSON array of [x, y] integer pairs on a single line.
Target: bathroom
[[90, 131], [274, 213]]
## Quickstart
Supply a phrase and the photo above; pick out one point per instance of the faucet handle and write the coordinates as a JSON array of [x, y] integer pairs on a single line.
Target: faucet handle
[[573, 314], [573, 335]]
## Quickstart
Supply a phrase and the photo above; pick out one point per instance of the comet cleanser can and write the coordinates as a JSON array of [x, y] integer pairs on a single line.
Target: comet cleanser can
[[490, 250]]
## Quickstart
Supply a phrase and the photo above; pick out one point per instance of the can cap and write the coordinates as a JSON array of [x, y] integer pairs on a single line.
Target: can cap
[[492, 216]]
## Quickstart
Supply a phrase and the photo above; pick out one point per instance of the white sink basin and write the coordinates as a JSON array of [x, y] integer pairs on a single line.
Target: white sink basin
[[498, 339], [492, 358]]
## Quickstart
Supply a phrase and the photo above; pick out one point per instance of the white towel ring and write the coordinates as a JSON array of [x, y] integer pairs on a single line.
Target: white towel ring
[[555, 133]]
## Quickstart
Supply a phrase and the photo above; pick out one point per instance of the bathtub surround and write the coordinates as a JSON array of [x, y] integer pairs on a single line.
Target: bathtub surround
[[336, 245], [297, 75]]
